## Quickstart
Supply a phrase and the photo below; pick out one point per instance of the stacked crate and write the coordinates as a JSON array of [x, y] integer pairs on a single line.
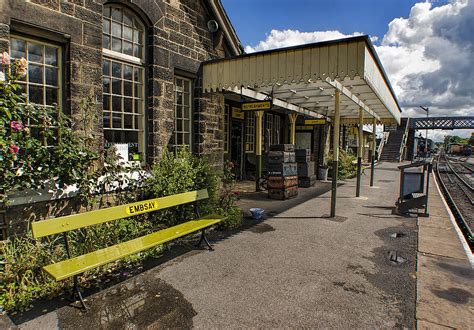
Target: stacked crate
[[306, 176], [282, 180]]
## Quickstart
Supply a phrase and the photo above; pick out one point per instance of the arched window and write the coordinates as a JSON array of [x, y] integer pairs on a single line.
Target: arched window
[[123, 80]]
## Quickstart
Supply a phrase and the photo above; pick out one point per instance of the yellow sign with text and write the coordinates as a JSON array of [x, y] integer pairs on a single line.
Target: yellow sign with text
[[315, 121], [256, 106], [304, 128], [237, 113], [141, 207]]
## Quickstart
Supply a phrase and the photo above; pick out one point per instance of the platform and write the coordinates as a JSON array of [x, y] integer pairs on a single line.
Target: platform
[[445, 275], [366, 268]]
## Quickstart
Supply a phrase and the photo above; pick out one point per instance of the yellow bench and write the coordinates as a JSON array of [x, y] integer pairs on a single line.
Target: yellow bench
[[77, 265]]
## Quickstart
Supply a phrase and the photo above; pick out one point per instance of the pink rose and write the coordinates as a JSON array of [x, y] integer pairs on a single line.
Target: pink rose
[[16, 126], [5, 58], [13, 149]]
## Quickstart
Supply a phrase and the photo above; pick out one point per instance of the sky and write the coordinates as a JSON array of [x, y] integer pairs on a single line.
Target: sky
[[426, 47]]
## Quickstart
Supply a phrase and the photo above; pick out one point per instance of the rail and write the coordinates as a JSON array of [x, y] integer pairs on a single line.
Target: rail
[[404, 141], [381, 144], [462, 223]]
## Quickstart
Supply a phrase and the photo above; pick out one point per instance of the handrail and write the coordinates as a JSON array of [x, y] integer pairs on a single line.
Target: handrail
[[404, 141], [383, 140]]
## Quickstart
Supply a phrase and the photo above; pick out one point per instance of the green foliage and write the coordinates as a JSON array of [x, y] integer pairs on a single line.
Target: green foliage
[[347, 166], [37, 144]]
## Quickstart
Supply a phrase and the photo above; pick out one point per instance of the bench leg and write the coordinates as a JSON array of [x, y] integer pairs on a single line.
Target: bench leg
[[77, 293], [204, 239]]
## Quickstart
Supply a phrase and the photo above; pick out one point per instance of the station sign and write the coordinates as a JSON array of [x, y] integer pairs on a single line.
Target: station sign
[[237, 113], [305, 128], [256, 106], [315, 122]]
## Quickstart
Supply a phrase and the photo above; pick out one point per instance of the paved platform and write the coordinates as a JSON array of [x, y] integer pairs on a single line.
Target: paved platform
[[297, 268], [445, 275]]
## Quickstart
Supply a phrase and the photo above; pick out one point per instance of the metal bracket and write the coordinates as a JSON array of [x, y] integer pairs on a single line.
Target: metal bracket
[[204, 239]]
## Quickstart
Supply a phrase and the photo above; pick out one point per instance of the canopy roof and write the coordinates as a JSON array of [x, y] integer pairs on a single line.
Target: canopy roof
[[306, 77]]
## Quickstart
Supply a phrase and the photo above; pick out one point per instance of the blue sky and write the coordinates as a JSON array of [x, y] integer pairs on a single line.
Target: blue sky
[[253, 19], [426, 47]]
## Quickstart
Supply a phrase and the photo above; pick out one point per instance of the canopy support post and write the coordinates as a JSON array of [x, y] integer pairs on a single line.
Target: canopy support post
[[360, 150], [372, 157], [258, 149], [335, 152], [292, 117]]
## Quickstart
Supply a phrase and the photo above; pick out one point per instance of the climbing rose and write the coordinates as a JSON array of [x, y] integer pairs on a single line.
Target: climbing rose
[[16, 126], [5, 58], [13, 149], [21, 68], [2, 76]]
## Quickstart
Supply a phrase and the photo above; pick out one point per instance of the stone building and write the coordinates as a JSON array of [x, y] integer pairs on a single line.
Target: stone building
[[139, 59]]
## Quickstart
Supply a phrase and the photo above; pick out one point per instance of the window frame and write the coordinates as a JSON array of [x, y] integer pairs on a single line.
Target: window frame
[[250, 123], [124, 59], [60, 67], [175, 145]]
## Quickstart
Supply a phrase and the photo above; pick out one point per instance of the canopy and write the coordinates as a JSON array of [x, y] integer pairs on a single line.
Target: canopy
[[305, 78]]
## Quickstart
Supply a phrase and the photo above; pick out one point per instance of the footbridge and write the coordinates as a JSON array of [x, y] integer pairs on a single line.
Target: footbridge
[[447, 123]]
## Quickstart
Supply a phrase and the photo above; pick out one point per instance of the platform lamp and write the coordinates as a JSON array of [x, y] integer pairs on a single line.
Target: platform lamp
[[426, 136]]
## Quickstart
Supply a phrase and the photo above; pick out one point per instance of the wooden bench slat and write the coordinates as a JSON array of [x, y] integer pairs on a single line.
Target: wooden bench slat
[[80, 264], [81, 220]]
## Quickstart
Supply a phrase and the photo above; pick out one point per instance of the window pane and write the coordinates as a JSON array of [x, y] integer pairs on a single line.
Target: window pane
[[127, 48], [127, 72], [137, 50], [35, 53], [116, 45], [128, 33], [116, 29], [51, 75], [116, 70], [52, 96], [127, 88], [106, 102], [128, 121], [138, 90], [179, 125], [35, 74], [116, 86], [117, 14], [117, 103], [51, 56], [35, 94], [137, 73], [106, 120], [106, 68], [137, 118], [106, 85], [18, 48], [179, 111], [127, 105], [106, 41], [127, 18], [107, 11], [106, 26], [116, 120]]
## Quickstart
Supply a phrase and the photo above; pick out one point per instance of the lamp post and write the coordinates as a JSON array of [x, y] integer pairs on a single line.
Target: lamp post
[[426, 135]]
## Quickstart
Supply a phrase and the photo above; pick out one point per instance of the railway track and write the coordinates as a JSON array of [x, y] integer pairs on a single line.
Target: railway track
[[457, 187]]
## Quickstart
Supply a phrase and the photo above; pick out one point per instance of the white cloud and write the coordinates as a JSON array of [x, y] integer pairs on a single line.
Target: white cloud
[[288, 38], [428, 56]]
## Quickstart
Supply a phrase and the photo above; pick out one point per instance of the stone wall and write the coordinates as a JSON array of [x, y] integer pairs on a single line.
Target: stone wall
[[178, 41]]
